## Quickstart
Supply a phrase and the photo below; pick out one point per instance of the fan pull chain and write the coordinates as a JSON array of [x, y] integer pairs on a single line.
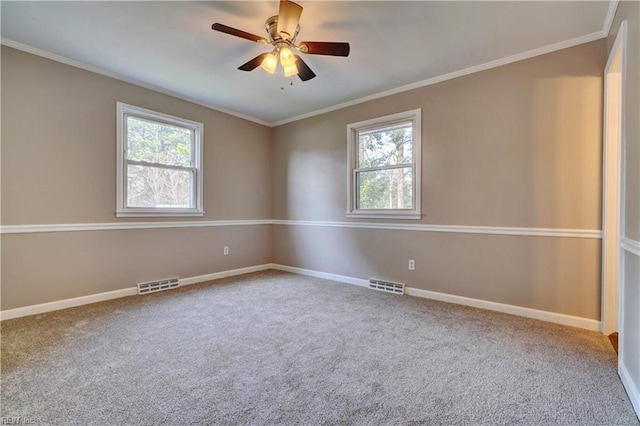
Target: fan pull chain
[[282, 85]]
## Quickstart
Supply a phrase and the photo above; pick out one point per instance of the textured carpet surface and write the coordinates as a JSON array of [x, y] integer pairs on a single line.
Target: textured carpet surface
[[277, 348]]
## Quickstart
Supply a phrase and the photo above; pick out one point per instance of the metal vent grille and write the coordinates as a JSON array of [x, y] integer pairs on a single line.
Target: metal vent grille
[[153, 286], [388, 286]]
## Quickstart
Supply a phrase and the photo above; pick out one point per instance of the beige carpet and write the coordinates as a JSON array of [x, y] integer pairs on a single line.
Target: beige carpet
[[276, 348]]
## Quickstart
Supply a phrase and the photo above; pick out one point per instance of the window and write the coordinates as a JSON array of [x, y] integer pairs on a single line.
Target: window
[[384, 167], [159, 166]]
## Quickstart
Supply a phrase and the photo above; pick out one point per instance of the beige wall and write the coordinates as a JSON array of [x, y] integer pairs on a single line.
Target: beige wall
[[46, 267], [59, 150], [550, 274], [630, 339], [517, 145], [514, 146], [59, 167]]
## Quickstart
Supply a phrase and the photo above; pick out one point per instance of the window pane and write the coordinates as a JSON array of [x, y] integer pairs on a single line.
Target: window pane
[[158, 142], [158, 187], [385, 146], [385, 189]]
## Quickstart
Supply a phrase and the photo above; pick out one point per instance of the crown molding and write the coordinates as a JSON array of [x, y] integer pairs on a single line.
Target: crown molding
[[107, 73], [423, 83], [455, 74], [611, 14]]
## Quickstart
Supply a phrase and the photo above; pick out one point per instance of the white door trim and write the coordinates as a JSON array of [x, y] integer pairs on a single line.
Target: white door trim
[[612, 189]]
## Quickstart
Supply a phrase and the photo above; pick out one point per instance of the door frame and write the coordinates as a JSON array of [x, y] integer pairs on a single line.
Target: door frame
[[612, 185]]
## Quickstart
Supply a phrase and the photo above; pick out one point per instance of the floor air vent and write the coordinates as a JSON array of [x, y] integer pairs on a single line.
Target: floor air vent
[[153, 286], [387, 286]]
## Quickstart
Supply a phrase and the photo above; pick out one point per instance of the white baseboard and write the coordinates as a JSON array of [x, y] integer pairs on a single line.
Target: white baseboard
[[131, 291], [224, 274], [66, 303], [557, 318], [318, 274], [563, 319], [630, 387], [588, 324]]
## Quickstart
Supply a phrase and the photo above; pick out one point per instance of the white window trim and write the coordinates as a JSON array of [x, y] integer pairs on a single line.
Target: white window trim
[[121, 192], [414, 116]]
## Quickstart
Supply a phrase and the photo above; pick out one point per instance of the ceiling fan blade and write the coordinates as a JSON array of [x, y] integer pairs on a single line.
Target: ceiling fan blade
[[238, 33], [288, 18], [325, 48], [304, 72], [253, 64]]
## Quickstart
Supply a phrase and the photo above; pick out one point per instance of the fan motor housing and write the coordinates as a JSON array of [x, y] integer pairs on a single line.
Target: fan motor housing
[[272, 29]]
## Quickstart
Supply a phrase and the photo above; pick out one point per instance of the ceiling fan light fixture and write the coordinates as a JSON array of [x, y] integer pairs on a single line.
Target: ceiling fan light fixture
[[269, 63], [282, 30], [289, 71], [286, 57]]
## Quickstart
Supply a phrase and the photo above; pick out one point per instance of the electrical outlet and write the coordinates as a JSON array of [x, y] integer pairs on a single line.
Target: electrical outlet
[[225, 251], [412, 265]]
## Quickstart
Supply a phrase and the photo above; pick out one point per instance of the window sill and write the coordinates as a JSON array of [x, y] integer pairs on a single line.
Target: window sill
[[159, 214], [385, 215]]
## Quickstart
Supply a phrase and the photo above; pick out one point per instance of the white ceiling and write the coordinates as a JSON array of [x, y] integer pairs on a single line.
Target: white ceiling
[[395, 45]]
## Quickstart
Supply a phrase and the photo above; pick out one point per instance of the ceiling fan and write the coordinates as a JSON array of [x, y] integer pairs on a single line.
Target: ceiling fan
[[282, 30]]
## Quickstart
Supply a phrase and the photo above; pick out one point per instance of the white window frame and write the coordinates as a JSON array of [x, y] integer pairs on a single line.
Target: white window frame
[[353, 131], [122, 210]]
